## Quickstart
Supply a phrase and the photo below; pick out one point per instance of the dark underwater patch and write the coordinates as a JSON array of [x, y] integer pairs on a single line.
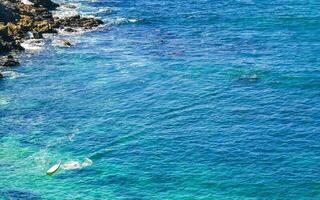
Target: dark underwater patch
[[18, 194]]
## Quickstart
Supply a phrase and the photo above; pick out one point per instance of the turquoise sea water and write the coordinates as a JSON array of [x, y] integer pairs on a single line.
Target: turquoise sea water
[[195, 99]]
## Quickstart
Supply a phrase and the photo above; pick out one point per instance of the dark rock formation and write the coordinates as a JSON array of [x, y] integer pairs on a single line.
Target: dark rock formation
[[7, 14], [10, 62], [70, 30], [77, 21], [45, 3], [19, 22], [7, 41]]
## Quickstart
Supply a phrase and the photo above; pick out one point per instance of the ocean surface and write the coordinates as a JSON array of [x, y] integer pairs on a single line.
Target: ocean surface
[[169, 100]]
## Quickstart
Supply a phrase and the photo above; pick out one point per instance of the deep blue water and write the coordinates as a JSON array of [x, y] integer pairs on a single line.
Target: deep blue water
[[170, 100]]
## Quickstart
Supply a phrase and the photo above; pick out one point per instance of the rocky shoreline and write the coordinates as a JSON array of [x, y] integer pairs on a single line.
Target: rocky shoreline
[[21, 20]]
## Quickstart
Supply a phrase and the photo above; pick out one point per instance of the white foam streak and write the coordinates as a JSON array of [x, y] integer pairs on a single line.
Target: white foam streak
[[71, 165], [33, 44]]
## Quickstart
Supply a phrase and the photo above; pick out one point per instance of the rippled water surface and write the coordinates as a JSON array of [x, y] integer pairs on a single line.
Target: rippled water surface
[[196, 99]]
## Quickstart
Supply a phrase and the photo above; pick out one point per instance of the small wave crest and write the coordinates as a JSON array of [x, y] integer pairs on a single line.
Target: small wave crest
[[11, 74], [66, 10], [71, 165], [4, 102], [105, 10], [121, 20], [33, 44]]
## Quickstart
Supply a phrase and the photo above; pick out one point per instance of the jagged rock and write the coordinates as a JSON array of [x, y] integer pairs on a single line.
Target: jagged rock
[[31, 10], [43, 27], [10, 62], [7, 42], [77, 21], [6, 47], [14, 31], [25, 22]]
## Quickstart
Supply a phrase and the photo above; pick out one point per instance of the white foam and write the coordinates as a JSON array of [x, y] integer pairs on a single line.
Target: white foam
[[71, 137], [120, 20], [77, 31], [4, 102], [27, 2], [105, 10], [11, 74], [33, 44], [87, 162], [72, 165], [61, 43], [66, 10]]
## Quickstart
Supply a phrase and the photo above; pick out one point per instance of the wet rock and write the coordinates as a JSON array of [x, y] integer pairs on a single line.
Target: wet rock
[[6, 47], [70, 30], [14, 31], [66, 43], [25, 22], [10, 62], [43, 27], [7, 41], [37, 35], [77, 21]]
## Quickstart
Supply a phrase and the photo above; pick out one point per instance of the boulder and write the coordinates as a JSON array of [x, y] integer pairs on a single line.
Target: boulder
[[14, 31], [10, 62], [6, 47], [43, 27], [25, 22], [77, 21]]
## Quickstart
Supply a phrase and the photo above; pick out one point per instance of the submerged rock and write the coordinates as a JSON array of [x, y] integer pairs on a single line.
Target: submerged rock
[[19, 194]]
